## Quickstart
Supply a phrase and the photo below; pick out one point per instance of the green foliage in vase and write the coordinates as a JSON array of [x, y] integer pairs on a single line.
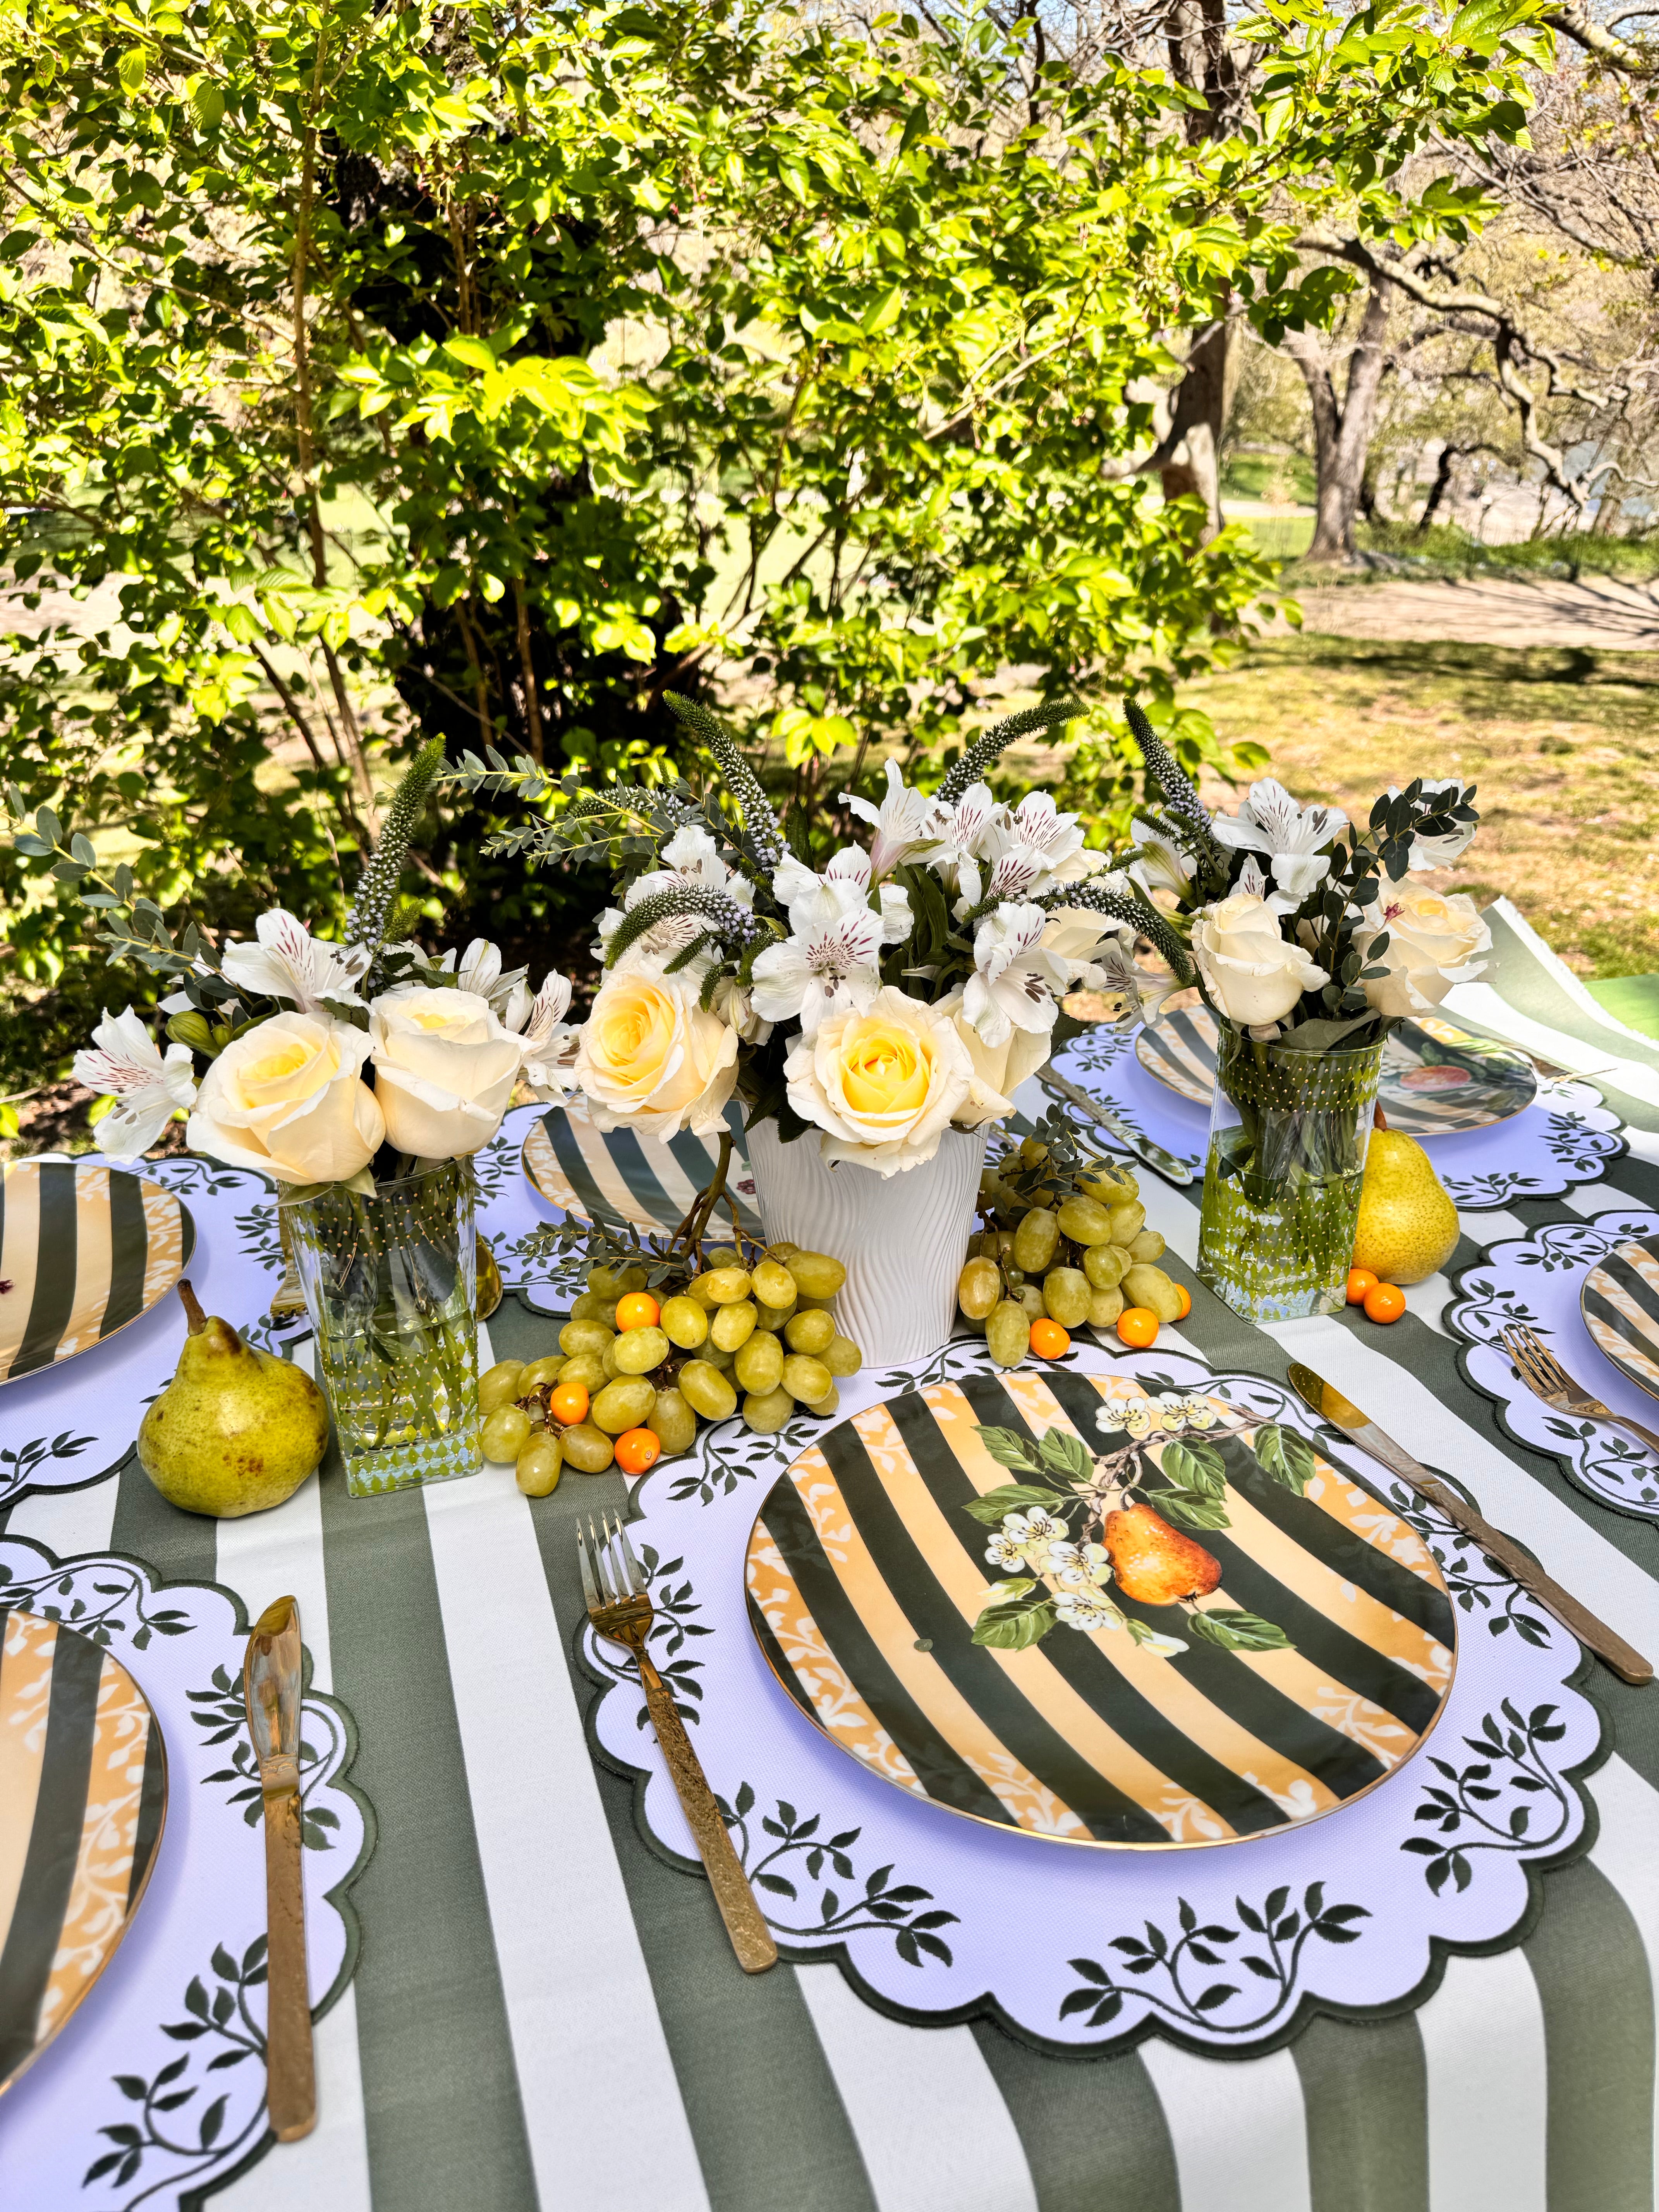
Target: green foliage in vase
[[375, 375]]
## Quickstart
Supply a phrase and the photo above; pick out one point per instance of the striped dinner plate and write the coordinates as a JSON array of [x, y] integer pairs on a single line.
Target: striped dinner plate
[[84, 1788], [1327, 1659], [624, 1181], [84, 1250], [1619, 1301], [1437, 1079]]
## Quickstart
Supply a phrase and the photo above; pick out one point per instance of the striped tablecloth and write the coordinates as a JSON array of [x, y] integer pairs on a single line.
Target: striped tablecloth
[[546, 2012]]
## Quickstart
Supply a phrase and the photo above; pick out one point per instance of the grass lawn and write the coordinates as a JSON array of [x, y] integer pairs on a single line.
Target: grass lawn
[[1564, 743]]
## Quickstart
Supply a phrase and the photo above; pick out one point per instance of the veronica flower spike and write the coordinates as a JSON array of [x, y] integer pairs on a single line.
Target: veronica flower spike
[[149, 1090], [904, 822], [1270, 821]]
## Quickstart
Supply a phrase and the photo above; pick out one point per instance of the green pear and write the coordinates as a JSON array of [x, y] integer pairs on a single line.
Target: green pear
[[236, 1430], [1408, 1225]]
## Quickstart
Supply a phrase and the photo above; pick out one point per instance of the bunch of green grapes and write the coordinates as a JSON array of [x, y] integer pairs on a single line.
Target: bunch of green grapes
[[632, 1374], [1070, 1248]]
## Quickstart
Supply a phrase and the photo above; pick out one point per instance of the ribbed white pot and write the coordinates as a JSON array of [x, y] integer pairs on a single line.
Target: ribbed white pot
[[901, 1239]]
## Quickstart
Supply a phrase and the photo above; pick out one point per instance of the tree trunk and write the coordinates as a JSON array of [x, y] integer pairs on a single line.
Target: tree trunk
[[1200, 412], [1342, 434], [1449, 457]]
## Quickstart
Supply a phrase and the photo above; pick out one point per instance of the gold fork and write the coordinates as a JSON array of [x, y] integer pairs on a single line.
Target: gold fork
[[620, 1609], [1546, 1378]]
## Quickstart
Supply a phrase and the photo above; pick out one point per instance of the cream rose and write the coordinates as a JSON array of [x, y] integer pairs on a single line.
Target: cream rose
[[444, 1069], [998, 1070], [1251, 972], [289, 1099], [652, 1059], [1432, 940], [882, 1085]]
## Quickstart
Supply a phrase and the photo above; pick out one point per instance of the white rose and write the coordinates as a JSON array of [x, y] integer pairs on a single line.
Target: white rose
[[652, 1060], [882, 1085], [1251, 972], [998, 1070], [735, 1005], [1432, 940], [289, 1099], [444, 1069]]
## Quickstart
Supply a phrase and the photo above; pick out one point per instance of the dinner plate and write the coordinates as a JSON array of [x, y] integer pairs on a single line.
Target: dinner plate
[[1619, 1301], [85, 1250], [1437, 1079], [868, 1573], [83, 1799], [624, 1181]]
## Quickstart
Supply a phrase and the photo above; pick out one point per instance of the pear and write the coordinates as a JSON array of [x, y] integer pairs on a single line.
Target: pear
[[1153, 1564], [236, 1430], [1408, 1225]]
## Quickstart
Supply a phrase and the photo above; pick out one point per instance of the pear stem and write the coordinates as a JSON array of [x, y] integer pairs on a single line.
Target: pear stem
[[1379, 1119], [192, 1306]]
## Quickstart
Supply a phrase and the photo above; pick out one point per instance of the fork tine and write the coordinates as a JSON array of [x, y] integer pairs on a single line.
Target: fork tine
[[601, 1566], [635, 1573], [618, 1561], [590, 1588]]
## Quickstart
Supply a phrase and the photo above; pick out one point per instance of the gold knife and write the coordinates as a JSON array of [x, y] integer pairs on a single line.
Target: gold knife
[[1341, 1412], [272, 1683]]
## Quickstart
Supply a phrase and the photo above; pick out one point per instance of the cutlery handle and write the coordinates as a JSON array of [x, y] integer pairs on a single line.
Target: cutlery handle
[[291, 2090], [746, 1923], [1625, 1661], [1636, 1429]]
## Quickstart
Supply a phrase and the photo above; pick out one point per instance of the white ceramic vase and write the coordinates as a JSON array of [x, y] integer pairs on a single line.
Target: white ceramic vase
[[901, 1239]]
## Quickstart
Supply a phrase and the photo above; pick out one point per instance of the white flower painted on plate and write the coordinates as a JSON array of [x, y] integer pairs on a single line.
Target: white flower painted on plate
[[1083, 1610]]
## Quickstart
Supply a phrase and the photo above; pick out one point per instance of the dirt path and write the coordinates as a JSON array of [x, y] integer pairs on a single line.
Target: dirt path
[[1596, 612]]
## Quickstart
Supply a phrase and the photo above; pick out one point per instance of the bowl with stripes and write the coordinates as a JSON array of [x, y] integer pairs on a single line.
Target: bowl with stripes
[[624, 1181], [85, 1251], [1619, 1301]]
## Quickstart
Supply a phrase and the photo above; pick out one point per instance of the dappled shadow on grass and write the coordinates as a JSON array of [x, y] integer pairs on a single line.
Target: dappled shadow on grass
[[1460, 659]]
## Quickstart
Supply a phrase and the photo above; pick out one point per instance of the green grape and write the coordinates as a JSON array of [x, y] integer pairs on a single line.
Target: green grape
[[1067, 1292], [593, 1305], [733, 1325], [602, 1281], [726, 1285], [806, 1378], [1105, 1264], [624, 1404], [632, 1278], [713, 1356], [1085, 1221], [672, 1422], [979, 1287], [842, 1356], [812, 1332], [725, 1256], [609, 1362], [584, 1336], [1147, 1247], [503, 1434], [540, 1464], [759, 1363], [544, 1370], [1035, 1240], [639, 1349], [707, 1388], [587, 1369], [829, 1403], [499, 1385], [773, 1283], [782, 1251], [684, 1322], [767, 1411], [1029, 1296], [817, 1275], [587, 1448], [1127, 1221], [1032, 1152], [1105, 1306], [1150, 1287], [774, 1317], [1008, 1334]]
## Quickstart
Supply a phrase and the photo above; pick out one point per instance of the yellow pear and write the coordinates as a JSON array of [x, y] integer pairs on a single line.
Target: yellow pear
[[1408, 1225], [237, 1430]]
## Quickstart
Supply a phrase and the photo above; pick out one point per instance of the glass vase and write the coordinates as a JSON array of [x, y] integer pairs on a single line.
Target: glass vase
[[1288, 1135], [391, 1285]]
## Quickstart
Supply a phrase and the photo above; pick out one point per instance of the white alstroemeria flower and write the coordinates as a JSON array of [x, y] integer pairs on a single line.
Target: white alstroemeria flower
[[828, 967], [1087, 1610], [287, 962], [1015, 984], [844, 886], [549, 1041], [735, 1004], [150, 1089], [1160, 864], [480, 972], [1114, 974], [905, 821], [1440, 852], [692, 857], [1270, 821], [1004, 1551], [968, 831], [1036, 821]]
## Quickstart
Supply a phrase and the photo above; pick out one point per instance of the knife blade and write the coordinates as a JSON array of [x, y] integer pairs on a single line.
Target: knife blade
[[1153, 1155], [1328, 1402], [271, 1689]]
